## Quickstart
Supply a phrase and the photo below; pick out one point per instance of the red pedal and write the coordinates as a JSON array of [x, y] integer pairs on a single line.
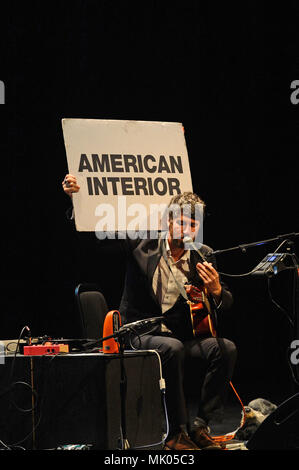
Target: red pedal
[[40, 349]]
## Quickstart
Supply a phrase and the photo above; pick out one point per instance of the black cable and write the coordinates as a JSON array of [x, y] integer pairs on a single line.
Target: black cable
[[277, 305], [10, 389], [53, 356], [20, 382], [16, 350], [7, 348], [291, 365], [257, 268], [24, 410], [139, 337], [33, 391]]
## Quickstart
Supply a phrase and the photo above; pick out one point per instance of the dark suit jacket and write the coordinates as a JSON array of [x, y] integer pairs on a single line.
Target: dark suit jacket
[[139, 300]]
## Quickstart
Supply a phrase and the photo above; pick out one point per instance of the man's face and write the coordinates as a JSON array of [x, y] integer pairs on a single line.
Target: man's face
[[181, 227]]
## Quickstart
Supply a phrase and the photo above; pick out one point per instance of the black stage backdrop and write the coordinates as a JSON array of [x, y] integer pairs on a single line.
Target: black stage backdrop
[[222, 69]]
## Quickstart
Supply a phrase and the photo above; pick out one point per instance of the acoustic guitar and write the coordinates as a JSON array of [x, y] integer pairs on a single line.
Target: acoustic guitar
[[200, 311]]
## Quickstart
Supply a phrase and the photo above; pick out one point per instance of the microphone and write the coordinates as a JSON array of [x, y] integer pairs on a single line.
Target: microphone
[[188, 241], [140, 323]]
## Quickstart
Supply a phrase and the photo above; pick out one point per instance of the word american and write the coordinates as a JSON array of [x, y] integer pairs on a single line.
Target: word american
[[131, 185]]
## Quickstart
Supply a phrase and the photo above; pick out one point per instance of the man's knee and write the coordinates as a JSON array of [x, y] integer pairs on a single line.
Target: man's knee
[[225, 349], [228, 351], [230, 347], [172, 348]]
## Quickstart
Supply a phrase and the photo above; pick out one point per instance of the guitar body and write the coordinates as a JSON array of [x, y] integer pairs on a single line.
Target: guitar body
[[200, 314], [191, 318]]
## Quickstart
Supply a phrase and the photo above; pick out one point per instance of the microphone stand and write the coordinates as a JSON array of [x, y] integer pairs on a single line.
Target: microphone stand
[[122, 386], [244, 247], [123, 394], [124, 443]]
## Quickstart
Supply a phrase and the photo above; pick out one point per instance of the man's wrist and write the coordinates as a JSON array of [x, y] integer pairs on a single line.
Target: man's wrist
[[217, 296]]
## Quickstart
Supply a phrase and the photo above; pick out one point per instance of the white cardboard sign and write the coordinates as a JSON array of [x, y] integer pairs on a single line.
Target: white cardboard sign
[[127, 171]]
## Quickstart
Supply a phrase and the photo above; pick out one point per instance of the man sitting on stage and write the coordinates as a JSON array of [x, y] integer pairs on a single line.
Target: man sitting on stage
[[156, 271]]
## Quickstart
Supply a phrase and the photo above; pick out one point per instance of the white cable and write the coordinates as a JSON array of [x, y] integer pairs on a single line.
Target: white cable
[[162, 385]]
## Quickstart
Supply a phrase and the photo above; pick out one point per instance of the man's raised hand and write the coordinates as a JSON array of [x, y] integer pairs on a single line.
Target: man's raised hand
[[70, 185]]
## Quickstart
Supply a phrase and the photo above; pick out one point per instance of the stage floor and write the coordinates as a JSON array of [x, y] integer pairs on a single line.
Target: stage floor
[[230, 422]]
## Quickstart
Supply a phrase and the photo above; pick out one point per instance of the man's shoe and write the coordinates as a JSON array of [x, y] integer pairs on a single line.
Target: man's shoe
[[180, 441], [203, 440]]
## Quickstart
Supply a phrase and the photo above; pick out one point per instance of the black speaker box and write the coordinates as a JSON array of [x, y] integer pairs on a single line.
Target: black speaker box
[[77, 401], [279, 431]]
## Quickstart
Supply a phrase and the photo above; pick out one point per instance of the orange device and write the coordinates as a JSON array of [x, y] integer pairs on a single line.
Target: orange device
[[112, 324]]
